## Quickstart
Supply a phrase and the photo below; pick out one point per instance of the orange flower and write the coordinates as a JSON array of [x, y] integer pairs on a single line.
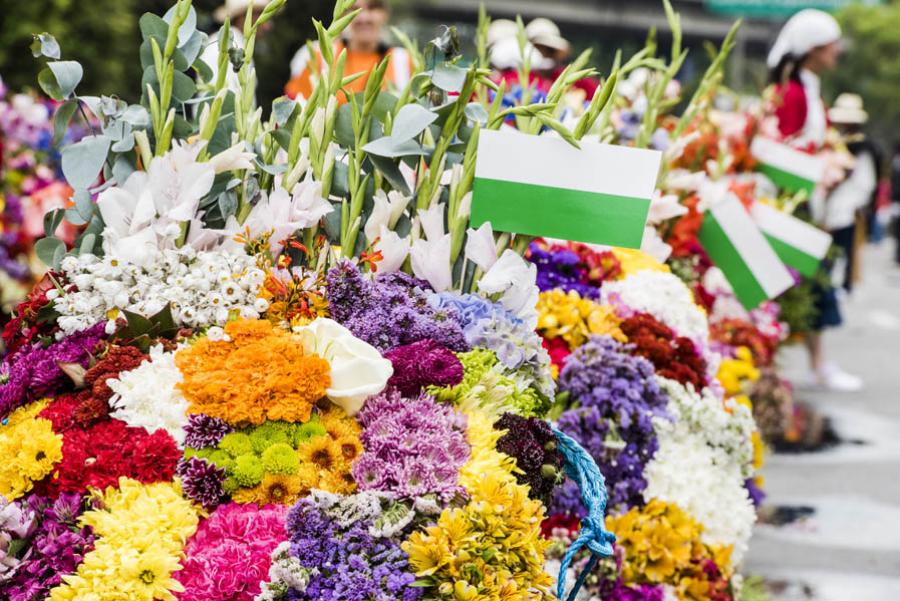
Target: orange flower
[[257, 373]]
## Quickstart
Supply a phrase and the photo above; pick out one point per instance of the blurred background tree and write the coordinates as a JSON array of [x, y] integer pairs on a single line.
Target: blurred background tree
[[870, 66], [103, 36]]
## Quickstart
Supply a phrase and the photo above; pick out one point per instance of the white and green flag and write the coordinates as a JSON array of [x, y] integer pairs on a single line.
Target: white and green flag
[[789, 168], [739, 249], [544, 186], [797, 243]]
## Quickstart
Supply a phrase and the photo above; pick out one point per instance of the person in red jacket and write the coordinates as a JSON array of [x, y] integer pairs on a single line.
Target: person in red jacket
[[808, 45]]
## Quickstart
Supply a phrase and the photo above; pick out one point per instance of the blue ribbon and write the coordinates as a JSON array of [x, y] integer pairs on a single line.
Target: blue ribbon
[[582, 468]]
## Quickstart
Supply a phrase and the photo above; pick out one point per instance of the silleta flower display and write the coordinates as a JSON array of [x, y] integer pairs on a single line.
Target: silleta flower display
[[273, 360]]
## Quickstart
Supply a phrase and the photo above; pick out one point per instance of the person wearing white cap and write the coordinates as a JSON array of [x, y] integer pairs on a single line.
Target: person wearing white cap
[[236, 12], [807, 46]]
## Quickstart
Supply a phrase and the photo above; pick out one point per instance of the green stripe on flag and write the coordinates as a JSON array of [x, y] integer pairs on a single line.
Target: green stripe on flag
[[726, 257], [559, 212], [786, 180], [794, 257]]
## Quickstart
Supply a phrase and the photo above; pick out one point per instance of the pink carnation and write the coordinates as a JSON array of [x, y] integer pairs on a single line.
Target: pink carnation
[[230, 553]]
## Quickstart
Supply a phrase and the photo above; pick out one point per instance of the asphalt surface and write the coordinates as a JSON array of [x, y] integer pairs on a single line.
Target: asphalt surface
[[848, 549]]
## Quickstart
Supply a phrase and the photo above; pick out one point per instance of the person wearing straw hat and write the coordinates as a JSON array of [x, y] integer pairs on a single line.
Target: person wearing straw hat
[[234, 11], [364, 41], [808, 45], [845, 203]]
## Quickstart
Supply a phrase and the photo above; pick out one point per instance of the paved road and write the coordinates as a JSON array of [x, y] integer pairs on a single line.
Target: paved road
[[849, 550]]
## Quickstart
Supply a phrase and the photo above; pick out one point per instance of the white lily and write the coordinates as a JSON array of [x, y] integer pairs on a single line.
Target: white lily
[[233, 159], [386, 212], [431, 261], [664, 207], [654, 245], [393, 248], [283, 214], [481, 248], [514, 279], [358, 370]]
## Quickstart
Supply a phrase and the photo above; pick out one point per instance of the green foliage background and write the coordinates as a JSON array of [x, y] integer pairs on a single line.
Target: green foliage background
[[103, 36]]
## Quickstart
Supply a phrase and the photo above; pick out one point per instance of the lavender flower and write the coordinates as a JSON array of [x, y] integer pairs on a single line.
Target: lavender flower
[[34, 372], [617, 400], [346, 561], [412, 447], [202, 482], [423, 363], [205, 431], [389, 311]]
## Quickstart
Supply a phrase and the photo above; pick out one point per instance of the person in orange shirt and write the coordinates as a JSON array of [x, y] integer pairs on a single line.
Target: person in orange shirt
[[363, 40]]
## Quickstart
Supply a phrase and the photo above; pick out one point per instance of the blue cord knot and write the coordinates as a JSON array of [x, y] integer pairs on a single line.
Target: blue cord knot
[[582, 468]]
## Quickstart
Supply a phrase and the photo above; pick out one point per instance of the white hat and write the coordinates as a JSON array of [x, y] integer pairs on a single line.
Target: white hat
[[501, 29], [848, 110], [544, 32], [236, 8], [505, 54], [808, 29]]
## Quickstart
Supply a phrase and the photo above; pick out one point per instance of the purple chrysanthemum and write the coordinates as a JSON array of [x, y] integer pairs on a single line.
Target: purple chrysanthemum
[[617, 399], [34, 372], [423, 363], [205, 431], [412, 447], [202, 482], [389, 311]]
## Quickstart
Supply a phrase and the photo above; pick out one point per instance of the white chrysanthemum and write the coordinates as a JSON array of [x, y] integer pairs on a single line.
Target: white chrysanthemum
[[726, 426], [664, 296], [686, 471], [202, 288], [148, 396]]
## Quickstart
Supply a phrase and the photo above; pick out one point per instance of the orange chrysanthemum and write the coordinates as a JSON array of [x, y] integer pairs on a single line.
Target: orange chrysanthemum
[[256, 373]]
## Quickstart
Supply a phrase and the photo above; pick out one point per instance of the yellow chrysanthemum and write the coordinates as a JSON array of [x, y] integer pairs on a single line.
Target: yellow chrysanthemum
[[484, 458], [633, 261], [735, 372], [568, 316], [29, 449]]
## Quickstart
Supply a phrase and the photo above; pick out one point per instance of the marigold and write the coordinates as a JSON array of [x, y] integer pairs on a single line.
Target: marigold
[[568, 316], [257, 373], [29, 448]]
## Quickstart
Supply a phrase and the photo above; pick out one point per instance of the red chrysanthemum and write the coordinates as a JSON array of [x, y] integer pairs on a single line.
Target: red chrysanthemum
[[674, 357]]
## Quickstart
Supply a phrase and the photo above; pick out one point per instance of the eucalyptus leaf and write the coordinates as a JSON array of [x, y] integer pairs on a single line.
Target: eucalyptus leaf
[[282, 109], [47, 82], [83, 204], [61, 119], [87, 244], [340, 185], [126, 143], [410, 122], [45, 44], [272, 169], [391, 172], [146, 51], [204, 71], [387, 147], [136, 116], [194, 46], [227, 204], [343, 126], [68, 74], [47, 250], [92, 102], [449, 78], [283, 137], [74, 217], [476, 112], [82, 161], [183, 87], [121, 170], [153, 26]]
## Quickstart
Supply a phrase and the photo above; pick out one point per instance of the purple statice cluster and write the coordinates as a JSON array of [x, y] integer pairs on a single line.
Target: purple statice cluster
[[561, 268], [421, 364], [412, 447], [202, 481], [203, 431], [347, 562], [489, 325], [614, 398], [531, 442], [52, 547], [390, 310], [35, 372]]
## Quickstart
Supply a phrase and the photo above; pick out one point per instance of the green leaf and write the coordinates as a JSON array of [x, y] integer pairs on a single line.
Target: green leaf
[[48, 249], [82, 161], [87, 244], [138, 325], [283, 137], [449, 78], [61, 119], [45, 44], [203, 70], [121, 169], [390, 171], [387, 147], [183, 87], [83, 204], [126, 143], [153, 26], [194, 46], [47, 82], [136, 116], [410, 122], [52, 219], [68, 74], [74, 217]]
